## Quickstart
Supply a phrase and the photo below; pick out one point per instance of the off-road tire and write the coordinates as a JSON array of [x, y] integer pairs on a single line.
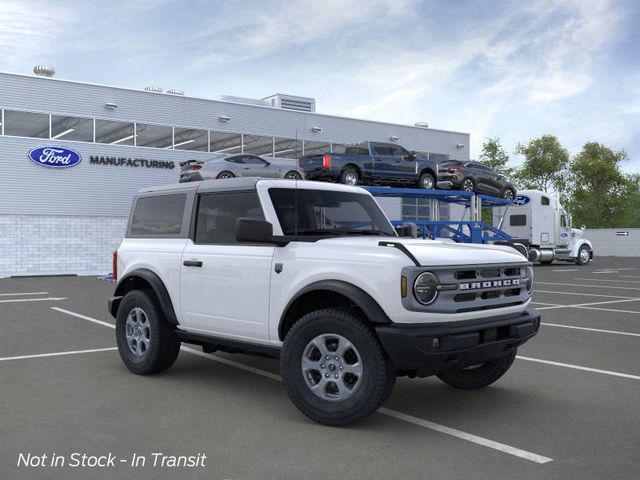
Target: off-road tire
[[164, 344], [345, 175], [378, 377], [424, 178], [481, 376]]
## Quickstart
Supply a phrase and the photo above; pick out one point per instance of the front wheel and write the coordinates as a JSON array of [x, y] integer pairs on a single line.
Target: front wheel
[[508, 194], [478, 376], [333, 368], [427, 181], [584, 255], [147, 343]]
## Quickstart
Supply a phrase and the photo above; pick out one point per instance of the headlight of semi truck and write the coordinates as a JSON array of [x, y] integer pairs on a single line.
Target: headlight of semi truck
[[425, 288], [529, 283]]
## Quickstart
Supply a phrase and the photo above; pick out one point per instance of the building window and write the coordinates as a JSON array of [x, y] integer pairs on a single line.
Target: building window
[[158, 215], [257, 145], [287, 148], [71, 128], [26, 124], [115, 133], [190, 139], [218, 213], [226, 142], [157, 136], [316, 148]]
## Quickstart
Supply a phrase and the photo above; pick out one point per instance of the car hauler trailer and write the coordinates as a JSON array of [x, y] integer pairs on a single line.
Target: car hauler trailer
[[469, 229], [538, 221]]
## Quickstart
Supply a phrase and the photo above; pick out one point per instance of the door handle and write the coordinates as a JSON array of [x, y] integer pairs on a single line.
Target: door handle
[[192, 263]]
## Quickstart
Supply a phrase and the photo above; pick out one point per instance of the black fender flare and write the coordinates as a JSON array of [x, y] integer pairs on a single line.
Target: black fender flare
[[158, 287], [359, 297]]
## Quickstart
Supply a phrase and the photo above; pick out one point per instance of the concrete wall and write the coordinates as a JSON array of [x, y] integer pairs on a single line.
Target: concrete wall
[[611, 242]]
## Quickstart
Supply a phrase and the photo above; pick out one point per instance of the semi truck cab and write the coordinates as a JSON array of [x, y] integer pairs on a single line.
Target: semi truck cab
[[538, 220]]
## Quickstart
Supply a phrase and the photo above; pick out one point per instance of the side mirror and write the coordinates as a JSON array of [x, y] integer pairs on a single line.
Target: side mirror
[[254, 230], [583, 228], [410, 156]]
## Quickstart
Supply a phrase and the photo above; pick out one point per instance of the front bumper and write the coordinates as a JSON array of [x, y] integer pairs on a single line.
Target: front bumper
[[430, 349]]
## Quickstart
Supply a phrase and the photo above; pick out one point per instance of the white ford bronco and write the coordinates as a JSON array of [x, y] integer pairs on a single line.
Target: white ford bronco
[[314, 274]]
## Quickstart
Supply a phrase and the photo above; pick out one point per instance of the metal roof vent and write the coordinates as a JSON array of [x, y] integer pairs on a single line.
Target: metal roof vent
[[153, 88], [422, 124], [44, 71], [175, 91], [291, 102]]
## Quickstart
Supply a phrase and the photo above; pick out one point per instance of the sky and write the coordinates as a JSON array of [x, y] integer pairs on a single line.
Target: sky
[[514, 70]]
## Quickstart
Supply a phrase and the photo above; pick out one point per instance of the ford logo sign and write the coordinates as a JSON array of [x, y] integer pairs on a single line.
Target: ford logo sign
[[521, 200], [55, 157]]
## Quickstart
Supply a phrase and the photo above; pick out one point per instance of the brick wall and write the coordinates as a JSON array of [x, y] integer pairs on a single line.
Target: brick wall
[[54, 245]]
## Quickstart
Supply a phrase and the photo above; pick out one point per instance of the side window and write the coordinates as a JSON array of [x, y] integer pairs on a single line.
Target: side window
[[517, 220], [382, 150], [544, 201], [238, 159], [158, 215], [397, 151], [253, 160], [218, 212]]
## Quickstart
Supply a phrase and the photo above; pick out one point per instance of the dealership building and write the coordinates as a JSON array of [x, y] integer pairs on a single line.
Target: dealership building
[[69, 220]]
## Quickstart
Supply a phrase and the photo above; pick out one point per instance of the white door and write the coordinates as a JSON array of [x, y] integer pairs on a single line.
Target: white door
[[225, 284]]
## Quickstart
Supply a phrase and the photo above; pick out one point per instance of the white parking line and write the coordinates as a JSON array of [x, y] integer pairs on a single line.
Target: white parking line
[[384, 411], [57, 354], [581, 294], [27, 293], [17, 300], [611, 310], [566, 270], [552, 306], [588, 286], [466, 436], [616, 332], [83, 317], [606, 280], [629, 276], [579, 367]]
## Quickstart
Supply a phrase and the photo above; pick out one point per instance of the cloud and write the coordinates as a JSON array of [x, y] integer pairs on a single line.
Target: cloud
[[30, 29]]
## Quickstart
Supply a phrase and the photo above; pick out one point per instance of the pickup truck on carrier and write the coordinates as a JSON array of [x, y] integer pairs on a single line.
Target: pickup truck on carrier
[[314, 273], [372, 163]]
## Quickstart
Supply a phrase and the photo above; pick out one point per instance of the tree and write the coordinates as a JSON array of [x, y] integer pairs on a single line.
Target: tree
[[599, 193], [545, 164], [494, 156]]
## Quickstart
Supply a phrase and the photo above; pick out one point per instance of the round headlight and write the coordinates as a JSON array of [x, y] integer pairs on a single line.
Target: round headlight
[[425, 288], [529, 274]]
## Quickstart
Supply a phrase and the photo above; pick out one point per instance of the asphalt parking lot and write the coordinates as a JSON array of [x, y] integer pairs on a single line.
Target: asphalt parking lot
[[568, 408]]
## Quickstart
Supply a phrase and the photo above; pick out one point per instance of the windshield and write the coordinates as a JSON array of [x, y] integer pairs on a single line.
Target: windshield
[[327, 212]]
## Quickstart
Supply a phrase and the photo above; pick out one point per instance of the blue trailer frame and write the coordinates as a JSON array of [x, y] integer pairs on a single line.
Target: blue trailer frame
[[478, 231]]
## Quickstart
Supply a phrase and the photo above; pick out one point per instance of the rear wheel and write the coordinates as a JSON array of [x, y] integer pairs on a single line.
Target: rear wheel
[[147, 343], [349, 176], [478, 376], [468, 185], [293, 175], [584, 255], [334, 369], [225, 174], [427, 181]]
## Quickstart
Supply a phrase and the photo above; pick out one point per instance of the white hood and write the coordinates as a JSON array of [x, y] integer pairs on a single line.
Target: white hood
[[436, 253]]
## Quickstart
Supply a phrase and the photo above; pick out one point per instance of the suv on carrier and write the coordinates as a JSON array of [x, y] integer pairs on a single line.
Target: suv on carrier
[[314, 273]]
